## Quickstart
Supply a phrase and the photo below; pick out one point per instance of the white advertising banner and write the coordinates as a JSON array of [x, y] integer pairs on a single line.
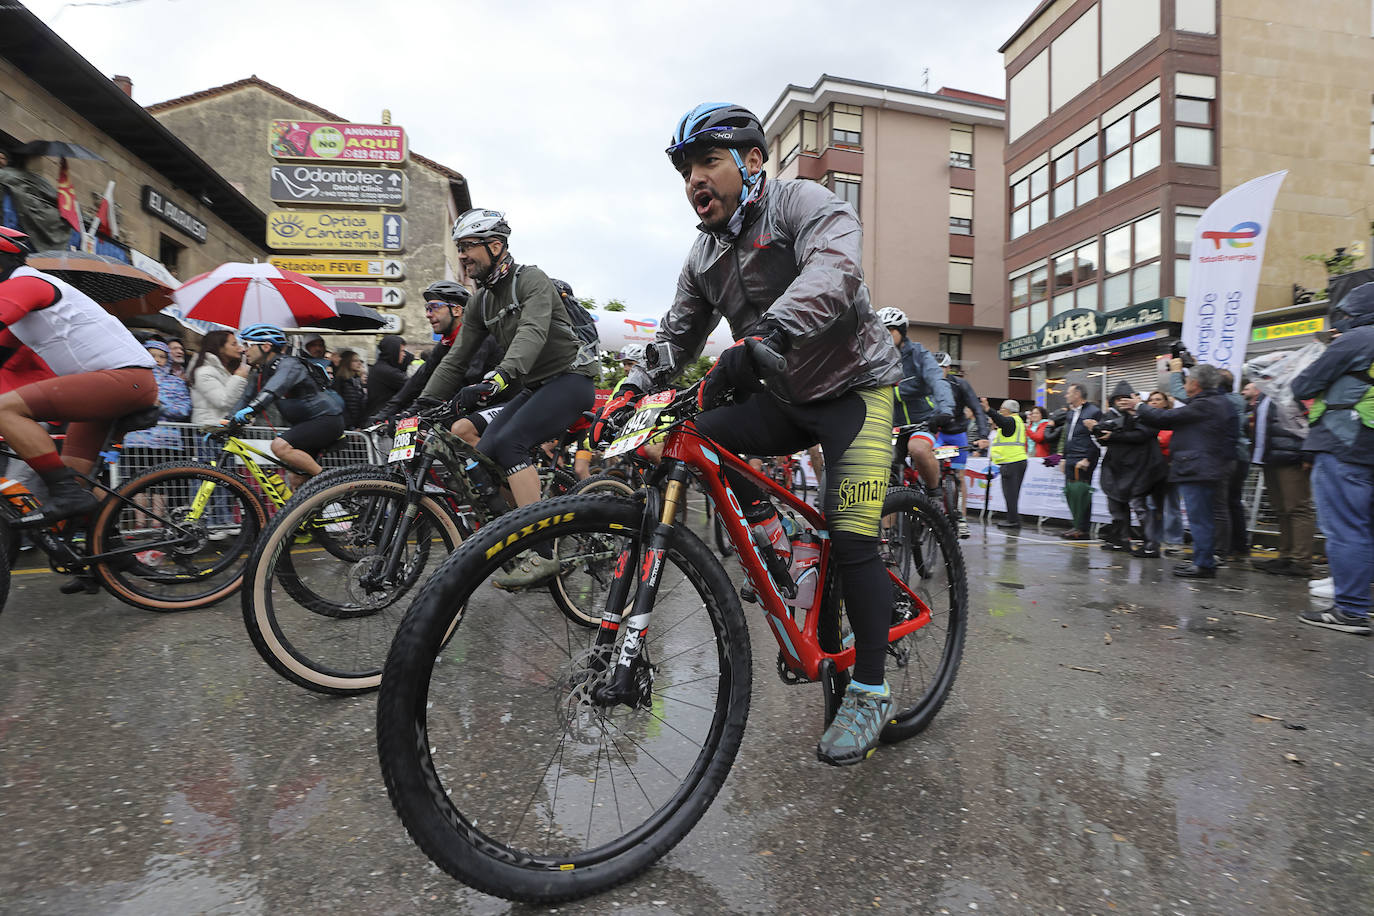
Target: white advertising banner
[[616, 329], [1224, 271], [1042, 491]]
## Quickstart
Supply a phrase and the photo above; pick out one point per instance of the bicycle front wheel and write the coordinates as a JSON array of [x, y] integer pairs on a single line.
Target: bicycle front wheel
[[501, 763], [921, 551], [184, 532], [333, 576]]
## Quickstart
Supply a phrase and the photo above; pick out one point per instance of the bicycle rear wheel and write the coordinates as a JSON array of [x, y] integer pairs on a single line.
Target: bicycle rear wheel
[[502, 766], [177, 570], [323, 616], [921, 551]]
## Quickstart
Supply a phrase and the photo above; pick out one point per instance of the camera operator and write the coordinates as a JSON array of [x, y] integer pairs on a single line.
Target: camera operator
[[1133, 472], [1202, 455]]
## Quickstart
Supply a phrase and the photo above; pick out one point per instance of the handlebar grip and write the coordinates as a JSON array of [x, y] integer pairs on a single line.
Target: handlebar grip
[[767, 362]]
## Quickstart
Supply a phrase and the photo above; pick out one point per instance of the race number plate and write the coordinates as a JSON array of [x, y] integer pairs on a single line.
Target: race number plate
[[642, 425], [946, 452], [403, 446]]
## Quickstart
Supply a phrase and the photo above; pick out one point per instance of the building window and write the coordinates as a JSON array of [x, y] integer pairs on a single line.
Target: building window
[[169, 253], [1131, 263], [1194, 118], [1196, 16], [1075, 176], [1030, 202], [1185, 227], [1029, 298], [961, 280], [846, 125], [1074, 273], [953, 344], [960, 212], [961, 145], [1131, 146], [799, 137], [845, 186]]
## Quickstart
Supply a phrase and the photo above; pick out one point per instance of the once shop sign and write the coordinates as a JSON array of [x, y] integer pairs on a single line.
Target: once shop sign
[[1078, 325], [1291, 329], [336, 140], [387, 297], [156, 203], [351, 268], [335, 230], [338, 184]]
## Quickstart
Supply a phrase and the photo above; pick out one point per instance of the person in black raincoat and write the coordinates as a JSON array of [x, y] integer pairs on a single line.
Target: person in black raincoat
[[1133, 471]]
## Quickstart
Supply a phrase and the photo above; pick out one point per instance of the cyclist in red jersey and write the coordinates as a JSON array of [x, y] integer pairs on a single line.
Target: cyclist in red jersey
[[68, 360]]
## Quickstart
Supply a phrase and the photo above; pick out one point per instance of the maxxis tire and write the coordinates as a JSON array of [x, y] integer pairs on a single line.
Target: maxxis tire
[[254, 513], [913, 721], [402, 737], [257, 617]]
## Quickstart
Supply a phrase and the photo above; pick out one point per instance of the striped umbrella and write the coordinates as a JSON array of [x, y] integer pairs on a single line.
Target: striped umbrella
[[237, 295]]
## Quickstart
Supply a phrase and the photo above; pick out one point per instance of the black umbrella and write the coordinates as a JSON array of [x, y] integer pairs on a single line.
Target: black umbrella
[[57, 149], [353, 317]]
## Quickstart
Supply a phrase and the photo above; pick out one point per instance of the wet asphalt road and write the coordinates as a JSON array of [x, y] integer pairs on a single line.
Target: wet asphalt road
[[1102, 752]]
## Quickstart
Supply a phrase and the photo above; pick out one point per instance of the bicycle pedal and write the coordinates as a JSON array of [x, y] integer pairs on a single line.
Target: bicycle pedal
[[747, 593]]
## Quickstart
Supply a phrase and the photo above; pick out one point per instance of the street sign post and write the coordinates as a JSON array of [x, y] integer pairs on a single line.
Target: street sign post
[[335, 230], [335, 140], [384, 297], [352, 185], [342, 268]]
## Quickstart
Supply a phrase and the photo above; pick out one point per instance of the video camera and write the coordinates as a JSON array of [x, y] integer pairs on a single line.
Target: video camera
[[1178, 351]]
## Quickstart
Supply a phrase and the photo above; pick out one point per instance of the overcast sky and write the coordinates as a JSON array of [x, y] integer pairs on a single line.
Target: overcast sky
[[556, 112]]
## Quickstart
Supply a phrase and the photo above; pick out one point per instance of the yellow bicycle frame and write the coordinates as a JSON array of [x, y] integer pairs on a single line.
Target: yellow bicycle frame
[[276, 490]]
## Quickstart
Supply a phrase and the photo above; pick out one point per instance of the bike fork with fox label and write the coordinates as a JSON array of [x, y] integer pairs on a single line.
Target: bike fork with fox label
[[632, 678]]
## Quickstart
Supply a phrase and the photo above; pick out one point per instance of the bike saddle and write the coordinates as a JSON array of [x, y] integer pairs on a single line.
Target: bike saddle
[[139, 419]]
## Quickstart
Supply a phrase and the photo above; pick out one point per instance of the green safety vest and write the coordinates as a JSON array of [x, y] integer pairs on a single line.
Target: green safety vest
[[1006, 449]]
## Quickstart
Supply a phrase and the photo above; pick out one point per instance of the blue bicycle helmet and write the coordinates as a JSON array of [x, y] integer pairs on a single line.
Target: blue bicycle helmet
[[264, 333], [724, 125]]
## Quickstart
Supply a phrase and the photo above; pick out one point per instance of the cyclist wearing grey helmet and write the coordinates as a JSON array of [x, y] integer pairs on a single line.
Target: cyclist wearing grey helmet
[[782, 262], [921, 396], [521, 309]]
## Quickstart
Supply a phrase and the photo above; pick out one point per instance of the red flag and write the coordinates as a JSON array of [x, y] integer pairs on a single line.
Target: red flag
[[105, 222], [67, 205]]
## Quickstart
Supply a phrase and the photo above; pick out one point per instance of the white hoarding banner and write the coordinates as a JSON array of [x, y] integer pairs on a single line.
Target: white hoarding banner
[[616, 329], [1224, 271], [1042, 491]]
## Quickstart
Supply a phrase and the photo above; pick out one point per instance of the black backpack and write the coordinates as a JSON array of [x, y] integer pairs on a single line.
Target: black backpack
[[583, 324]]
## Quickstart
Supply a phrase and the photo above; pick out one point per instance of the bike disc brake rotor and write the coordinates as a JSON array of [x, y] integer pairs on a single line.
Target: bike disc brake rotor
[[586, 720], [371, 594]]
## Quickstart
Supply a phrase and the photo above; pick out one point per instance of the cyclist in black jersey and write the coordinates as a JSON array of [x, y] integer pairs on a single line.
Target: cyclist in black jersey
[[796, 249]]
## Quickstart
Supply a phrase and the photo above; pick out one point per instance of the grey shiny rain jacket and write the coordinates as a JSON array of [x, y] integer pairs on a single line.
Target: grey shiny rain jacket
[[797, 261]]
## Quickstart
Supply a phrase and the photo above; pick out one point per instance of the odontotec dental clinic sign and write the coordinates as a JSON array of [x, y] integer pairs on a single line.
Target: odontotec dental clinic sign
[[336, 141]]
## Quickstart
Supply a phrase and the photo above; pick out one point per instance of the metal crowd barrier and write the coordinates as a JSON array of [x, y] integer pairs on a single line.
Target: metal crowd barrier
[[354, 448]]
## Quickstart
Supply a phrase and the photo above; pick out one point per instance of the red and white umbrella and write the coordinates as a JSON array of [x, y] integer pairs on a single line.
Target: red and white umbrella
[[237, 295]]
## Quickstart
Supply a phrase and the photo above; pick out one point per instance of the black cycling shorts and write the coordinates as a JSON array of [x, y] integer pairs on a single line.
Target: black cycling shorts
[[536, 415], [316, 434]]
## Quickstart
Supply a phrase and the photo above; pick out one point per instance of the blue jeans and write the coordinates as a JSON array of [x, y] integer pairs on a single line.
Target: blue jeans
[[1345, 513], [1173, 517], [1197, 499]]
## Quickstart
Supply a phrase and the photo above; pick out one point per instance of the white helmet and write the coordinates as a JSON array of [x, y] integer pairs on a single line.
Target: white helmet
[[943, 359], [893, 318], [631, 353], [481, 224]]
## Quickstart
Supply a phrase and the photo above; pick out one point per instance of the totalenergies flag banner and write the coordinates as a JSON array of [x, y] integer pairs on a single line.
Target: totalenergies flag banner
[[1224, 271], [616, 329], [336, 140]]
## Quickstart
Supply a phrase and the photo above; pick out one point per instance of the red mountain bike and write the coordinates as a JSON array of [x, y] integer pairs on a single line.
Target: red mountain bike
[[542, 762]]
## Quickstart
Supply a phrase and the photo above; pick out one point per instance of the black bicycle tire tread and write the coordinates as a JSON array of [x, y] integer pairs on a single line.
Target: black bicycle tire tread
[[556, 590], [395, 731]]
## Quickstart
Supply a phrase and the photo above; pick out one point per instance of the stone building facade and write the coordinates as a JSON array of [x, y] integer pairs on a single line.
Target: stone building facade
[[229, 126], [49, 92]]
